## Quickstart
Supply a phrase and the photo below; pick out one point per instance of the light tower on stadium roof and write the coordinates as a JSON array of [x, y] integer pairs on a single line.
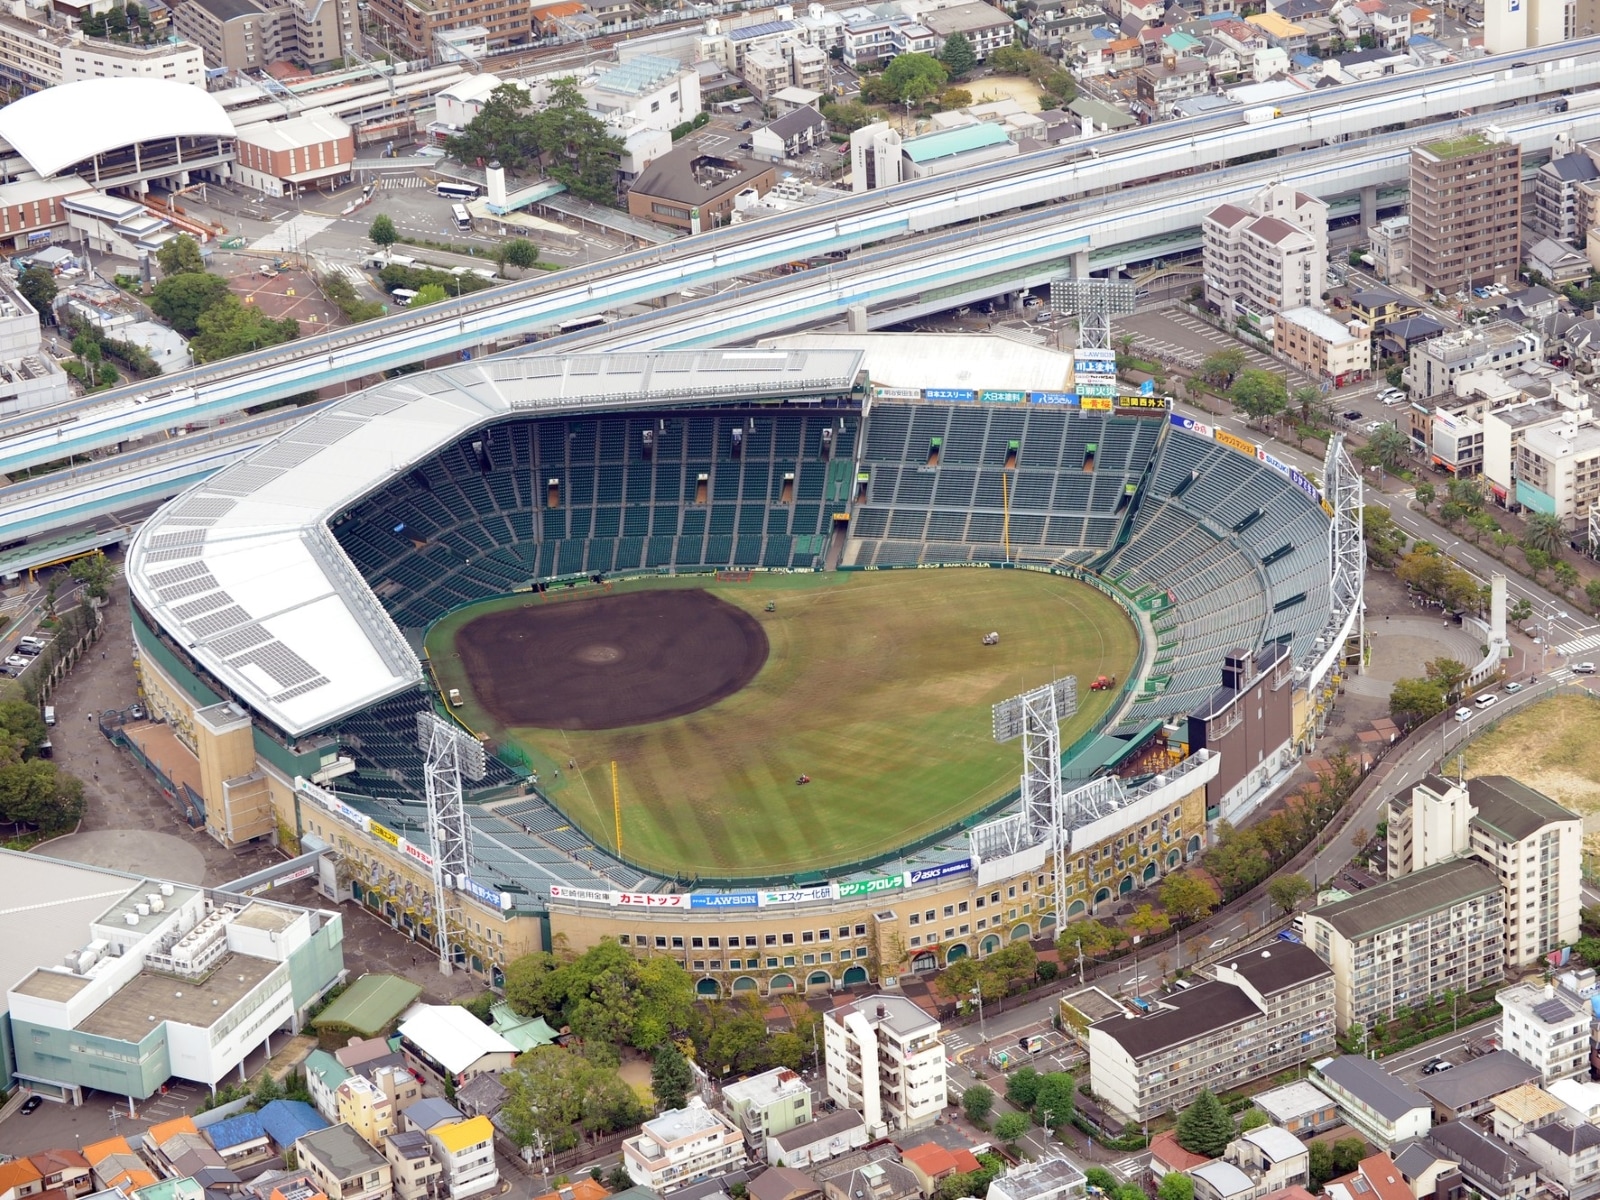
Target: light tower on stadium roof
[[1036, 717], [449, 753]]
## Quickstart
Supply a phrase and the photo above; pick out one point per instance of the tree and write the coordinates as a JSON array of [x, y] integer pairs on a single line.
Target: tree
[[976, 1102], [504, 131], [1188, 898], [1221, 368], [1386, 448], [1591, 590], [1425, 494], [913, 78], [1099, 1177], [1022, 1088], [576, 147], [22, 731], [528, 984], [848, 117], [670, 1077], [1385, 540], [1448, 674], [428, 293], [1054, 1104], [1205, 1126], [1010, 1127], [38, 288], [1545, 532], [180, 256], [958, 56], [34, 792], [1236, 859], [1566, 576], [1413, 701], [1253, 1118], [737, 1041], [180, 300], [382, 231], [1359, 837], [1347, 1154], [522, 254], [1539, 561], [229, 327], [1089, 937], [1321, 1164], [1286, 891], [1261, 394], [1175, 1185], [1146, 922], [663, 998], [96, 572]]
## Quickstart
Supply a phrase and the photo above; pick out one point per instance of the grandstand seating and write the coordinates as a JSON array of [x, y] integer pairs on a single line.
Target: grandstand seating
[[539, 499]]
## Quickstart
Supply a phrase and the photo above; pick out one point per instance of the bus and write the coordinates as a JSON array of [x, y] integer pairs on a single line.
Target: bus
[[462, 216], [458, 191]]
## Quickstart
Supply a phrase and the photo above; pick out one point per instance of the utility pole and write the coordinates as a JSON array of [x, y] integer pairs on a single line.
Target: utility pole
[[977, 990], [1079, 943]]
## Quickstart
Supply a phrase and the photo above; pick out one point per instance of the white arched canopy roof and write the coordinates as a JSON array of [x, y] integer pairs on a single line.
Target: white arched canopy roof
[[63, 125]]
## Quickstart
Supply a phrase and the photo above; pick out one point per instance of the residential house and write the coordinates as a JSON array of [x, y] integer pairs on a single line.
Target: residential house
[[1299, 1108], [427, 1115], [775, 1183], [1567, 1152], [447, 1041], [113, 1164], [1547, 1027], [1167, 1156], [481, 1096], [241, 1140], [932, 1164], [344, 1165], [790, 136], [1468, 1090], [1376, 1178], [19, 1178], [412, 1166], [1221, 1180], [1429, 1175], [808, 1145], [1374, 1103], [63, 1171], [1582, 1096], [1161, 85], [1379, 307], [1556, 261], [1521, 1110], [1044, 1179], [465, 1150], [1496, 1170], [323, 1074], [1273, 1158], [884, 1179], [682, 1146]]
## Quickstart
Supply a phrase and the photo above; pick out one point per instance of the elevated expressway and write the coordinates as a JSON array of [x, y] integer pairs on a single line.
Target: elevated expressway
[[1095, 203]]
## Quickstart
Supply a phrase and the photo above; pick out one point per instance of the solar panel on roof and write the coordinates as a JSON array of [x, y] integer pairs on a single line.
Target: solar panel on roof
[[1551, 1011]]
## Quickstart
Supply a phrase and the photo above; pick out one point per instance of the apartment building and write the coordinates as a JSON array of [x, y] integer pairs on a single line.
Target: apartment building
[[683, 1146], [1547, 1027], [1535, 845], [343, 1165], [1556, 191], [1505, 427], [1266, 257], [886, 1061], [1389, 243], [1436, 363], [246, 35], [465, 1150], [773, 1102], [1466, 213], [1324, 346], [34, 56], [1411, 940], [1261, 1014], [1161, 86], [412, 1166], [363, 1107], [1372, 1101], [988, 28], [411, 28], [1558, 469]]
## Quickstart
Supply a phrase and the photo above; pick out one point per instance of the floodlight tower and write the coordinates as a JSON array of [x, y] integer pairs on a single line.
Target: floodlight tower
[[449, 753], [1036, 717], [1094, 302]]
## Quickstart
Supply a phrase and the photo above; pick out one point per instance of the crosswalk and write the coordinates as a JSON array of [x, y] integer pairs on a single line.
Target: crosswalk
[[1129, 1168], [402, 181], [1592, 642]]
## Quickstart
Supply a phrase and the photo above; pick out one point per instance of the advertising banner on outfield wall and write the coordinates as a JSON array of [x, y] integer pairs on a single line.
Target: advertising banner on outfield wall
[[560, 891], [942, 871], [652, 900], [965, 395], [724, 899], [489, 896], [797, 895], [421, 856], [864, 887], [1190, 425]]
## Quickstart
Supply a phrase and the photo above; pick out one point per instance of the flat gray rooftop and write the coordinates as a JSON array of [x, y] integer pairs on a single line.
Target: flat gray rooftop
[[128, 1015]]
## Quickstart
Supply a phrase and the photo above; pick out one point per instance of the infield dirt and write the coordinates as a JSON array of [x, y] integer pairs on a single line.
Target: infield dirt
[[877, 687]]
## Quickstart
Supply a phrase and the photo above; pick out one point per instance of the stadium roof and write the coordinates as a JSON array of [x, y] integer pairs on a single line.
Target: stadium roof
[[243, 572], [63, 125]]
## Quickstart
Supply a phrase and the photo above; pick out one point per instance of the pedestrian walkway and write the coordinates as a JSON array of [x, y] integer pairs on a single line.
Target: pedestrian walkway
[[1592, 642], [1129, 1168]]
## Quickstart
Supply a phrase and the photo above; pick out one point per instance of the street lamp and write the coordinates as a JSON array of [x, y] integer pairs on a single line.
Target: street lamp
[[977, 990]]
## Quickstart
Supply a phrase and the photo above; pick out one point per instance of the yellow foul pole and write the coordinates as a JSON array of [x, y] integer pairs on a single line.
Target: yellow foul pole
[[616, 804]]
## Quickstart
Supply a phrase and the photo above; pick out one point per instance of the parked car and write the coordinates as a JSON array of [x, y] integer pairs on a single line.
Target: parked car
[[1352, 416], [31, 1103], [1584, 668], [1463, 715], [1437, 1065], [1485, 700]]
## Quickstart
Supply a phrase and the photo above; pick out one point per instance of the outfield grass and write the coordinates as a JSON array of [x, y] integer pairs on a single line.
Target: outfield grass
[[877, 686]]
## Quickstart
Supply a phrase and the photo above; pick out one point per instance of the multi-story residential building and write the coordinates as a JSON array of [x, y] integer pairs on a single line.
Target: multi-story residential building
[[1436, 363], [359, 1104], [1324, 346], [1536, 847], [344, 1165], [1267, 257], [34, 56], [1489, 1167], [1567, 1152], [988, 28], [465, 1150], [1505, 427], [773, 1102], [411, 28], [1047, 1179], [682, 1146], [868, 43], [246, 35], [1299, 1108], [1161, 85], [412, 1166], [1373, 1101], [1410, 940], [1556, 191], [886, 1061], [1259, 1015], [1466, 213], [1451, 427], [1546, 1027], [1389, 242], [1558, 469]]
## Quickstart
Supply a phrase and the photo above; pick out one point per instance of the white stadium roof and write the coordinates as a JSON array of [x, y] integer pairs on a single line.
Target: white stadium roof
[[66, 124], [243, 572]]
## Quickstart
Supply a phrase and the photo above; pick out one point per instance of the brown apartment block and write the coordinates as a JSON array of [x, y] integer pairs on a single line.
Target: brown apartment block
[[246, 35], [410, 26], [1466, 213]]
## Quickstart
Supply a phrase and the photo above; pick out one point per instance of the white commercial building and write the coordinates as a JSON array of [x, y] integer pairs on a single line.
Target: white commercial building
[[874, 157], [683, 1146], [1546, 1027], [1268, 256], [34, 56], [29, 379], [448, 1041], [886, 1061]]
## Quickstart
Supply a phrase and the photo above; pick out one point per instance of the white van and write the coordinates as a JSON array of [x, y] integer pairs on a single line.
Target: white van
[[1485, 700], [49, 714]]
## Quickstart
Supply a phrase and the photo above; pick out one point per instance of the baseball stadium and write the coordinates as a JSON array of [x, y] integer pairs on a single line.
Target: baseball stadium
[[731, 626]]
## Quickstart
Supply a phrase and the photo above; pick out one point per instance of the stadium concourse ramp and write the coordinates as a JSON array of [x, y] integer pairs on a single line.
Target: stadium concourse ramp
[[1214, 549]]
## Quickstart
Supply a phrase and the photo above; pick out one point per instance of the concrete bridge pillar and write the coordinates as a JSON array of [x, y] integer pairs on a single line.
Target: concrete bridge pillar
[[1369, 206], [858, 318]]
